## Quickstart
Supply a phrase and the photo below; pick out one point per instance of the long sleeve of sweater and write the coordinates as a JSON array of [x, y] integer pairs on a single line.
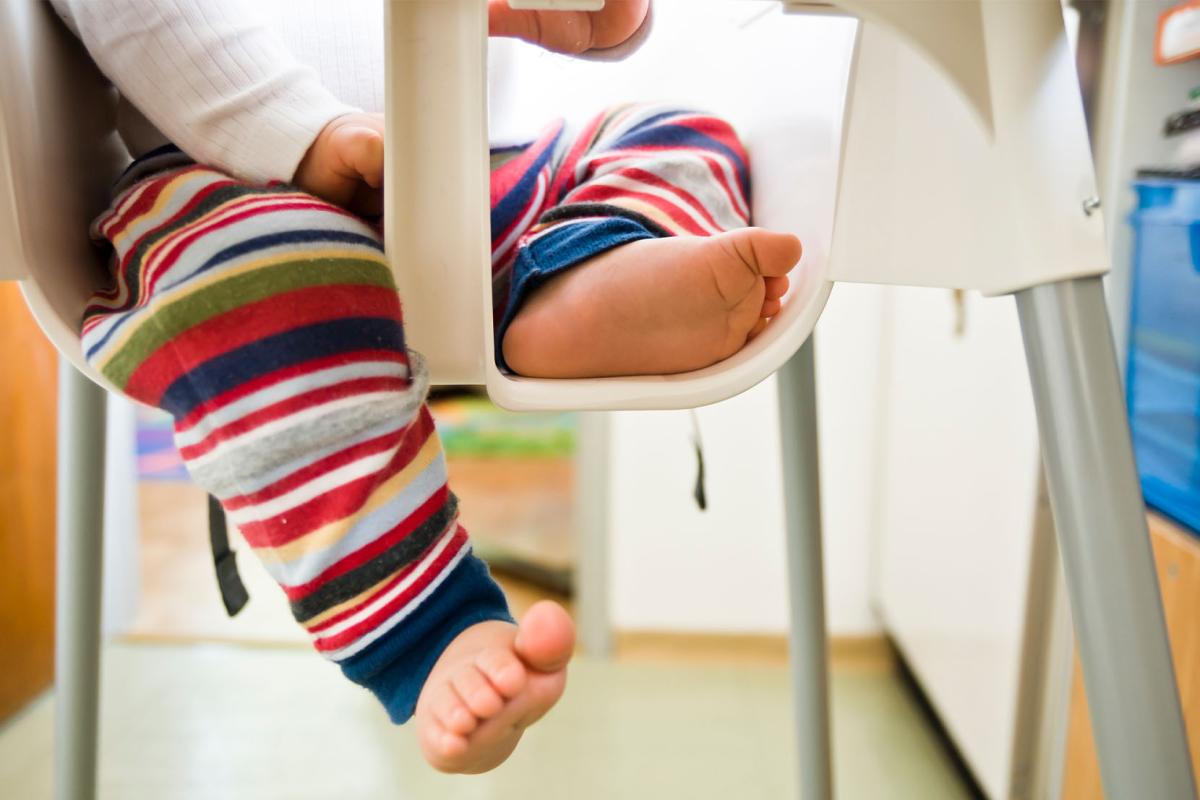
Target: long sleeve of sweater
[[212, 77]]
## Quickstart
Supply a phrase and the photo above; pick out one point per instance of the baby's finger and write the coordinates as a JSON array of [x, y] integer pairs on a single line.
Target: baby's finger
[[361, 150]]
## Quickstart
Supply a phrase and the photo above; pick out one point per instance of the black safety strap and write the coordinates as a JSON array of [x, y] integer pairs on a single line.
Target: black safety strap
[[233, 591], [699, 492]]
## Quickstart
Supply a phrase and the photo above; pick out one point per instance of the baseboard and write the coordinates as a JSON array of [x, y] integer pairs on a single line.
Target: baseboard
[[873, 652]]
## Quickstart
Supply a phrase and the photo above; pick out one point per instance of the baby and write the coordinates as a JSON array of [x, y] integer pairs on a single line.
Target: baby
[[252, 301]]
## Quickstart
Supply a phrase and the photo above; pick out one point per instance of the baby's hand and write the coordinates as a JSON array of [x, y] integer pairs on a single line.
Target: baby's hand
[[345, 164], [570, 32]]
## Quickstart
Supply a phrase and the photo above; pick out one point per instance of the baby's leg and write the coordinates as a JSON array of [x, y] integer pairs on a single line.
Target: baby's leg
[[643, 264], [266, 322]]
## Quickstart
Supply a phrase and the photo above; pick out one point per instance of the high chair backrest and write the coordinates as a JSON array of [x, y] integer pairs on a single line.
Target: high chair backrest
[[59, 156]]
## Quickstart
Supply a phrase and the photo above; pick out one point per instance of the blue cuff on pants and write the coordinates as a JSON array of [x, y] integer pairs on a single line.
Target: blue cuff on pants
[[561, 248], [395, 667]]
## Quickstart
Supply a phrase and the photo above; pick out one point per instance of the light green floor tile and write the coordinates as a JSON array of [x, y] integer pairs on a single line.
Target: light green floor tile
[[223, 722]]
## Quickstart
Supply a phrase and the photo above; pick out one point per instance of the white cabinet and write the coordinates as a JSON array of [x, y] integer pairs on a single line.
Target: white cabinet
[[955, 518]]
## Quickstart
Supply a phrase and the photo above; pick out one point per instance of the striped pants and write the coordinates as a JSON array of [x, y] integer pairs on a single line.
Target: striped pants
[[267, 323]]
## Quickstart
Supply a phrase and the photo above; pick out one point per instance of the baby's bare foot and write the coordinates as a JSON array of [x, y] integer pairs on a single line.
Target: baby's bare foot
[[653, 306], [491, 683]]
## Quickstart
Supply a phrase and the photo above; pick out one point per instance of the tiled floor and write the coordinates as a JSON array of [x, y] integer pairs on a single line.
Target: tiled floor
[[254, 714], [230, 722]]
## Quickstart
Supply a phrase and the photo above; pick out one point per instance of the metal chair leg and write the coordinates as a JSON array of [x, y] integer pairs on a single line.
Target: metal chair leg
[[808, 645], [80, 521], [1101, 523], [592, 500]]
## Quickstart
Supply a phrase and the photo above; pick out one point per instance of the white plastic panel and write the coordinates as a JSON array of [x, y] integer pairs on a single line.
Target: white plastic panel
[[931, 195], [438, 228], [947, 34]]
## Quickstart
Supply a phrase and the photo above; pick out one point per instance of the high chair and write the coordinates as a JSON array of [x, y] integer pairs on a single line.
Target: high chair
[[962, 134]]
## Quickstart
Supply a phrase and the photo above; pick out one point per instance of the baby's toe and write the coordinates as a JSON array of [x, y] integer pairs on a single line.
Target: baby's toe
[[776, 286], [503, 669], [770, 308], [442, 747], [452, 712], [543, 692], [545, 637], [480, 696]]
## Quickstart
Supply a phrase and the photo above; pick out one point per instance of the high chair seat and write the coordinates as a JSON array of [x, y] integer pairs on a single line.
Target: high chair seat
[[438, 236]]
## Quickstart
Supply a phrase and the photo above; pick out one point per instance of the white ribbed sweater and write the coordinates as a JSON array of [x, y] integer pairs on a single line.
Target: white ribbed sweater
[[244, 85]]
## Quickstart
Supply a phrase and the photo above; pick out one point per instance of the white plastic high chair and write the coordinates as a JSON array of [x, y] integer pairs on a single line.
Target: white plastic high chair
[[963, 135]]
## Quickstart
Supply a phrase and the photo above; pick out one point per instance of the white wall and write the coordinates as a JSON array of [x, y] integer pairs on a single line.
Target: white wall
[[955, 532], [675, 568]]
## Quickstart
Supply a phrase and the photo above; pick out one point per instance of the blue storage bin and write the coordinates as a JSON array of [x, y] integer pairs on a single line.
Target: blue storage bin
[[1163, 380]]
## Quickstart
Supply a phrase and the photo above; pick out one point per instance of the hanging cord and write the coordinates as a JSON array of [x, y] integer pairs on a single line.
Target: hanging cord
[[233, 591], [699, 492]]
